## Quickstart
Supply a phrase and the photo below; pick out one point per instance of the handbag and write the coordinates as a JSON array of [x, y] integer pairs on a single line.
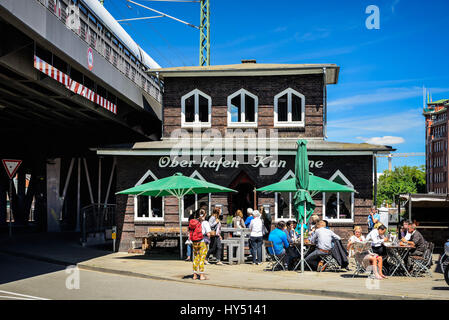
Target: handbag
[[213, 233]]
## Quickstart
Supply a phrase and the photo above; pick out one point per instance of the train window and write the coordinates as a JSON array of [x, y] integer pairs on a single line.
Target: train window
[[83, 9]]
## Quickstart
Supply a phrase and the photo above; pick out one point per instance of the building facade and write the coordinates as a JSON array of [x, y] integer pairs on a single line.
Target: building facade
[[436, 114], [237, 126]]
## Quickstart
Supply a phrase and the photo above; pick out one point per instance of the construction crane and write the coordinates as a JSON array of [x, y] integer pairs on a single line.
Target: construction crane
[[204, 27], [400, 155]]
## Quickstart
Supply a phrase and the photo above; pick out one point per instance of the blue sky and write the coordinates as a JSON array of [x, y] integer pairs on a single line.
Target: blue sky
[[378, 98]]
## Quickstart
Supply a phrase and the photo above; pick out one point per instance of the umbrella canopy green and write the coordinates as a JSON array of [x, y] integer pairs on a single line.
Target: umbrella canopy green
[[177, 186], [316, 185], [302, 199]]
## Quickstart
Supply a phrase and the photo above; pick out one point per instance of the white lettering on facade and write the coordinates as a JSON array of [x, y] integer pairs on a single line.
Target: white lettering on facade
[[259, 162]]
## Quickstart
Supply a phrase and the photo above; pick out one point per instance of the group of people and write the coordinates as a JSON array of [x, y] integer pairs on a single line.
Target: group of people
[[205, 239], [407, 236], [286, 234]]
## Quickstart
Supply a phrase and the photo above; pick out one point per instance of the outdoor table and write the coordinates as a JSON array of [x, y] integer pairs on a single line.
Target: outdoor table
[[307, 246], [396, 255], [243, 233]]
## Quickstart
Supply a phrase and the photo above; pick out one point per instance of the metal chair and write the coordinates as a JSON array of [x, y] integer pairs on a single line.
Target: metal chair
[[276, 260], [421, 264], [360, 248], [329, 263]]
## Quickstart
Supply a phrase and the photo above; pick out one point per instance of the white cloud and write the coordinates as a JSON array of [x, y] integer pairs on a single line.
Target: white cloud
[[385, 140]]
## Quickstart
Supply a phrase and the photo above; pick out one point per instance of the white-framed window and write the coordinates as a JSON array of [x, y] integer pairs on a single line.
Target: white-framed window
[[148, 208], [196, 110], [191, 202], [289, 109], [284, 209], [242, 109], [339, 206]]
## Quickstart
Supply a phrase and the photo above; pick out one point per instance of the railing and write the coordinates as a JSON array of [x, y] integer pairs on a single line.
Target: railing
[[99, 38], [97, 218]]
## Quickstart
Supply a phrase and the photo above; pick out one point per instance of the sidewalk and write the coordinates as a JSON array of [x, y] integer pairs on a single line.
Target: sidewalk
[[65, 250]]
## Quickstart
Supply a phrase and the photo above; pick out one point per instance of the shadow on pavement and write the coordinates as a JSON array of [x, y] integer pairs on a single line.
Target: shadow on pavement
[[50, 252]]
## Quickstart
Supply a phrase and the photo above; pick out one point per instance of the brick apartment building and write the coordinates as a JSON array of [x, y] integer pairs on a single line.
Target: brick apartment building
[[437, 120], [254, 114]]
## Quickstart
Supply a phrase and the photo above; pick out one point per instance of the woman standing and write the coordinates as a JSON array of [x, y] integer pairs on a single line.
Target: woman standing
[[238, 221], [200, 235], [256, 237], [215, 239]]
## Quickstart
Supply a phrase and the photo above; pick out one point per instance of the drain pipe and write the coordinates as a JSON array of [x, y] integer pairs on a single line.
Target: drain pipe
[[324, 104]]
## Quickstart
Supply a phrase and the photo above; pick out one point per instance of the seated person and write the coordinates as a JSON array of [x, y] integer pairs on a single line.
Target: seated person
[[323, 239], [292, 235], [365, 258], [377, 237], [404, 234], [357, 237], [313, 221], [297, 228], [279, 239], [417, 241]]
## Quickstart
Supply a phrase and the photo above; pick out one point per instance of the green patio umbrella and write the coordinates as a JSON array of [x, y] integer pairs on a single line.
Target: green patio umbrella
[[303, 201], [304, 188], [316, 185], [177, 186]]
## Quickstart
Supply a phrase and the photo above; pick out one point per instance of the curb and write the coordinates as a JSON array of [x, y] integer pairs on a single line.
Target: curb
[[315, 292]]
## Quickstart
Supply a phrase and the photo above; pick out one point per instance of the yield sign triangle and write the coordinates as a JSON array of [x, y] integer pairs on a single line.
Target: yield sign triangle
[[11, 166]]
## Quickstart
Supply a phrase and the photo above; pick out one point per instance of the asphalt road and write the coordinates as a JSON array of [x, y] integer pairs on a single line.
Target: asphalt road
[[27, 279]]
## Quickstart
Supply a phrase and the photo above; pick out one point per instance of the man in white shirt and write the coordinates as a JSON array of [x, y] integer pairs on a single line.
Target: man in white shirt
[[377, 237], [323, 239], [256, 237]]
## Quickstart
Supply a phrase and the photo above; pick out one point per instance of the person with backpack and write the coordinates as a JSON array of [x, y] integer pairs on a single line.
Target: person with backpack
[[199, 232]]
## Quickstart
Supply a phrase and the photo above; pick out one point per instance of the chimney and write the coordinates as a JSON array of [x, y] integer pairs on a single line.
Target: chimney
[[249, 61]]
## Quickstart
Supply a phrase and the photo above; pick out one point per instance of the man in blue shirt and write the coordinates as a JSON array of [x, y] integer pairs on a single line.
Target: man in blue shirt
[[279, 239], [373, 218]]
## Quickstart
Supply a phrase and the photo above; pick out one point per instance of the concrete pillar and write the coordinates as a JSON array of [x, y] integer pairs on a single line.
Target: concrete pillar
[[53, 200]]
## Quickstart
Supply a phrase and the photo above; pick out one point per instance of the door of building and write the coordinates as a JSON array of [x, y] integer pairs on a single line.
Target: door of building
[[244, 198]]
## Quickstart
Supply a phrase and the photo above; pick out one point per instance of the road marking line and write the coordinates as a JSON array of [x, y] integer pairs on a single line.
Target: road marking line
[[18, 298], [23, 295]]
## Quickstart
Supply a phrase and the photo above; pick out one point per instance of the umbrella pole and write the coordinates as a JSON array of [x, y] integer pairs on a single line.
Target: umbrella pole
[[302, 238], [180, 226]]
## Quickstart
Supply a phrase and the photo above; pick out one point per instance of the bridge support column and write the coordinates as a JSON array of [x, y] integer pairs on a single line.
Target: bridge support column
[[53, 201]]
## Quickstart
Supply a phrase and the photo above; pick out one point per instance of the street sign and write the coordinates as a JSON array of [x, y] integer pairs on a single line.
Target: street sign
[[11, 166]]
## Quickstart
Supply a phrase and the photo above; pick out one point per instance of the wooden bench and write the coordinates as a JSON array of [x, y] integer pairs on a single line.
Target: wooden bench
[[161, 233]]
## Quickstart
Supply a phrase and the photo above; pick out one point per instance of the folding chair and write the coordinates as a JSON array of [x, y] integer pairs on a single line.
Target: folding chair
[[276, 260], [360, 248], [421, 265], [329, 263]]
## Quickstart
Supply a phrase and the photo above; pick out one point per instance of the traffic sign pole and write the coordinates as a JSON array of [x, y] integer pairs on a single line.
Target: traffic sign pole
[[11, 167], [10, 207]]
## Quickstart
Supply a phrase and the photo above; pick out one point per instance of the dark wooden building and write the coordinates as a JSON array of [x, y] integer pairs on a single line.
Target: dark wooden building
[[237, 126]]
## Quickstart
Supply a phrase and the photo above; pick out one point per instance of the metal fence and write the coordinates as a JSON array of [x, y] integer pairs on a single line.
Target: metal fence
[[97, 218]]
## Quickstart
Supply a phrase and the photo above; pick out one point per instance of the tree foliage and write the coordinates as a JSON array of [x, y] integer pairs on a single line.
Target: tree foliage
[[403, 179]]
